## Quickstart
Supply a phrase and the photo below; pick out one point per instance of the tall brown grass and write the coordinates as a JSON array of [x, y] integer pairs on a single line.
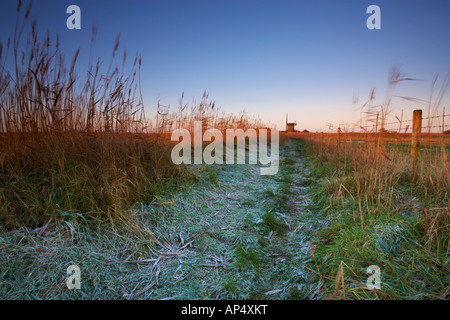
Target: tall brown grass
[[382, 213], [70, 146], [375, 170], [207, 112], [376, 167]]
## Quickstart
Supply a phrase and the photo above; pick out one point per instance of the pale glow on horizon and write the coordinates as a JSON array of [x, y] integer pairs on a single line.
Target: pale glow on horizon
[[307, 59]]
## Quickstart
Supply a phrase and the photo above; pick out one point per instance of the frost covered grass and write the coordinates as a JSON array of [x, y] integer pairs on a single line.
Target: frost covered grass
[[224, 238], [380, 216]]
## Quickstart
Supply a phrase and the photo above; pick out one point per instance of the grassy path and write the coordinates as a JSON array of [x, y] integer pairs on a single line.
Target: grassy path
[[249, 235], [237, 235]]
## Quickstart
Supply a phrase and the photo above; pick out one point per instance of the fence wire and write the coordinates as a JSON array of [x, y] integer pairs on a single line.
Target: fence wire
[[400, 128]]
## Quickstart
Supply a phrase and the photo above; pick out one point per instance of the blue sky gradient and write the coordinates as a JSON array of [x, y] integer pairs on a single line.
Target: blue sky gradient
[[305, 58]]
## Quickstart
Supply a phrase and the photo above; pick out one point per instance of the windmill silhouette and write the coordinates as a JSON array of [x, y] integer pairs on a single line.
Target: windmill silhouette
[[290, 126]]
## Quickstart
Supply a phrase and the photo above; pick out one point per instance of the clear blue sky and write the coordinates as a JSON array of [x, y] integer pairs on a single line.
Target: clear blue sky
[[305, 58]]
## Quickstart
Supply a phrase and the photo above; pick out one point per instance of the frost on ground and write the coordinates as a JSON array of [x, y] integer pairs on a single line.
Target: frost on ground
[[236, 235], [246, 236]]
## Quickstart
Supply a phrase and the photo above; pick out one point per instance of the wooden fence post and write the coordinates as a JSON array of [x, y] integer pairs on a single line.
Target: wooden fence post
[[416, 135], [339, 139], [444, 155], [321, 142], [375, 147]]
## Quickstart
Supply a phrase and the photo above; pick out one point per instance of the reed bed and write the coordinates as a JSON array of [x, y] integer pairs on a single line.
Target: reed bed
[[71, 146], [83, 145]]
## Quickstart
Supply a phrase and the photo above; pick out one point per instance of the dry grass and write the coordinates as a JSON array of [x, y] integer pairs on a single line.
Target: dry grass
[[383, 214], [70, 144], [372, 173]]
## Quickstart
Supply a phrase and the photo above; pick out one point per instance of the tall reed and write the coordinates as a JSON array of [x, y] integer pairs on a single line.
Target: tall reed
[[69, 145]]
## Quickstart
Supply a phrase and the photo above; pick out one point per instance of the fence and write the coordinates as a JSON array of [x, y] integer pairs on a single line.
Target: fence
[[414, 127], [402, 126]]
